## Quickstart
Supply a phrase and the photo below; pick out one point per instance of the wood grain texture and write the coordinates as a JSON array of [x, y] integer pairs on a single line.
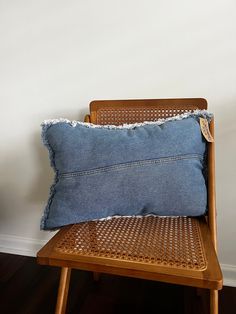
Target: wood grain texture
[[214, 307], [138, 110], [212, 188], [210, 278], [63, 290]]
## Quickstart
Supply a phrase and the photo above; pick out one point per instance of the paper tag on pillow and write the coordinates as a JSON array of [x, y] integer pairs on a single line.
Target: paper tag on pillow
[[205, 130]]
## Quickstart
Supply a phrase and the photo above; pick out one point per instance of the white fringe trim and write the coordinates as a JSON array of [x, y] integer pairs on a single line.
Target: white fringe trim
[[134, 216], [74, 123]]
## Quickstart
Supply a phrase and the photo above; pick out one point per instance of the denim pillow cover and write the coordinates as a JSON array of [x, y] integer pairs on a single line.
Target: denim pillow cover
[[139, 169]]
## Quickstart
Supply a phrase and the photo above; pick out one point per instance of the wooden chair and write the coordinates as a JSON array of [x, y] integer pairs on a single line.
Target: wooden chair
[[182, 250]]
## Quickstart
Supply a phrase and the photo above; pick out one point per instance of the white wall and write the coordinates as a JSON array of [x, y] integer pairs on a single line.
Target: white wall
[[56, 56]]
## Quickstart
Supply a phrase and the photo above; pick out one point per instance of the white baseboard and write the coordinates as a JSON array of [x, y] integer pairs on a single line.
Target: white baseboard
[[29, 247], [20, 245], [229, 274]]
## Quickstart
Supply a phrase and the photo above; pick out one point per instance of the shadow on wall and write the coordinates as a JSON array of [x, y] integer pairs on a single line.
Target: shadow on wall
[[225, 135], [225, 114]]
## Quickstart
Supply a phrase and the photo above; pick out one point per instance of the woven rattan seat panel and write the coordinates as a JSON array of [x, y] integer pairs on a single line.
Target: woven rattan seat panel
[[168, 241], [118, 116]]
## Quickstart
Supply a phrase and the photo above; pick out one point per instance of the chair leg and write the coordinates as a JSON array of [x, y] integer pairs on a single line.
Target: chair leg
[[63, 290], [213, 301]]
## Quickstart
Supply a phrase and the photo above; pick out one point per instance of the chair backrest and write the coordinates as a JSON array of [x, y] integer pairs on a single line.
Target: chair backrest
[[118, 112], [130, 111]]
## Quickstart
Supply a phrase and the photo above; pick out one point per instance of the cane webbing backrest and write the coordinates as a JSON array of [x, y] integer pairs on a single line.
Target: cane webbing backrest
[[131, 111]]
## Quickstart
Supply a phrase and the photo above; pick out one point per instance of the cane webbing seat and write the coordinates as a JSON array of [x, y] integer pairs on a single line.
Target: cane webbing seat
[[167, 241], [178, 250]]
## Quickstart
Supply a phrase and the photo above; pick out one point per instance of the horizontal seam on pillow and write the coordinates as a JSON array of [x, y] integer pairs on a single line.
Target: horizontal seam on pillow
[[131, 164]]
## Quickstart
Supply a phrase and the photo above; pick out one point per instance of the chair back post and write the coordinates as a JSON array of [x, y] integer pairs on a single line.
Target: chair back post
[[87, 118], [211, 188]]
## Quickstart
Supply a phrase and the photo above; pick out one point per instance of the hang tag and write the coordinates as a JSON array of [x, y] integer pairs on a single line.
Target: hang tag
[[205, 130]]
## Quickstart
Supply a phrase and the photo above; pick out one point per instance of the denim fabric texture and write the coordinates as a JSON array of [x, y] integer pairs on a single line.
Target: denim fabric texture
[[148, 168]]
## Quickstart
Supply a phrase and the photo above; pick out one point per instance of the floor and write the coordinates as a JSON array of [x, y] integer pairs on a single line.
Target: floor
[[28, 288]]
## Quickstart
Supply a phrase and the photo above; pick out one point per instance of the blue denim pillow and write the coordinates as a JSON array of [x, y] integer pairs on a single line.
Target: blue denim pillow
[[140, 169]]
